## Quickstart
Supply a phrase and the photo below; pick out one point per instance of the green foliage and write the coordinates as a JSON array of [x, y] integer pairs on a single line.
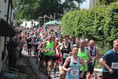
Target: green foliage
[[99, 24], [14, 3], [32, 9], [26, 9], [69, 5], [106, 2], [48, 7]]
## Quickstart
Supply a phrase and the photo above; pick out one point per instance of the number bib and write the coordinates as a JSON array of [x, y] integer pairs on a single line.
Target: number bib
[[29, 43], [50, 49], [74, 72], [92, 58], [114, 65], [65, 55]]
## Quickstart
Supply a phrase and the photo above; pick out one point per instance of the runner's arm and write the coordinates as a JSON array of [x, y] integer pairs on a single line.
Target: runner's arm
[[39, 47], [102, 62], [83, 64], [97, 53], [32, 41], [89, 56], [57, 50], [44, 48], [58, 46], [65, 64]]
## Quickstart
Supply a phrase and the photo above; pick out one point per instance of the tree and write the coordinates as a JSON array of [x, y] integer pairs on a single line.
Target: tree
[[69, 5], [27, 9], [33, 9], [106, 2], [49, 7]]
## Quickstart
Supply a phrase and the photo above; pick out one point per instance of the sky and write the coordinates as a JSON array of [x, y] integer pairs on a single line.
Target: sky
[[84, 5]]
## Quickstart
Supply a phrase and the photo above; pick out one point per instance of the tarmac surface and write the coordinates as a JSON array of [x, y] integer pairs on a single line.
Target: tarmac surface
[[35, 67], [25, 69]]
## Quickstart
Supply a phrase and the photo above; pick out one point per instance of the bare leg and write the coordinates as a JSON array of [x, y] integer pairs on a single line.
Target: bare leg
[[62, 73]]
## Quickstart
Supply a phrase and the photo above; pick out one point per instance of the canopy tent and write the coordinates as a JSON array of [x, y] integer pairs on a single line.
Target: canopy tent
[[6, 29], [55, 22]]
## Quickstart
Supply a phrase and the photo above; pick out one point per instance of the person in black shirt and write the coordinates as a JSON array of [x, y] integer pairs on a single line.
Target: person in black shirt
[[11, 47], [29, 45], [65, 50]]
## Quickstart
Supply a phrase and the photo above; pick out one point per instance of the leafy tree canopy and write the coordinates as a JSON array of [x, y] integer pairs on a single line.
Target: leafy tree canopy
[[106, 2], [32, 9]]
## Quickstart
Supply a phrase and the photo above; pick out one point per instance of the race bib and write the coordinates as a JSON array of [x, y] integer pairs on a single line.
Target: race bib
[[65, 55], [29, 43], [114, 65], [50, 49], [74, 72], [92, 59]]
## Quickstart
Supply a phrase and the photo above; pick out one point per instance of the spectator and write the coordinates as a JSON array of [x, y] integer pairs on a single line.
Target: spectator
[[11, 47]]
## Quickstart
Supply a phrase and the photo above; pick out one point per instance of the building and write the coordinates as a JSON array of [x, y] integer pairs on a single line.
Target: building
[[29, 24], [6, 29], [92, 3]]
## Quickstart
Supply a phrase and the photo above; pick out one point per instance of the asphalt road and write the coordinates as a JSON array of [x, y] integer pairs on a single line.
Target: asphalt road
[[35, 67]]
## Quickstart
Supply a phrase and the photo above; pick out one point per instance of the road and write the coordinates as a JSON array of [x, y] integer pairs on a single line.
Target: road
[[35, 68]]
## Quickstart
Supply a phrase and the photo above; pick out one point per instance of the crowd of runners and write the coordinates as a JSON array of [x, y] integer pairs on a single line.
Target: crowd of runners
[[74, 57]]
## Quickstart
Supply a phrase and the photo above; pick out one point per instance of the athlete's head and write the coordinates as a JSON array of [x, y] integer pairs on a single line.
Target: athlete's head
[[74, 50], [77, 41], [66, 38], [53, 38], [115, 44], [87, 41], [50, 38], [56, 40], [60, 39], [70, 38], [82, 43], [91, 43]]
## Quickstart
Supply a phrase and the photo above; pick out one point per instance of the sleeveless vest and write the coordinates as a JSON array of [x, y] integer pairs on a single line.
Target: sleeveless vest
[[85, 57], [74, 73], [50, 48]]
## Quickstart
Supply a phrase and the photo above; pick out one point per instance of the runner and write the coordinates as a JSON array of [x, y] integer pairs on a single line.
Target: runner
[[110, 62], [29, 45], [58, 49], [49, 51], [94, 55], [21, 46], [72, 64], [56, 56], [41, 56], [36, 43], [77, 41], [83, 53], [65, 49]]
